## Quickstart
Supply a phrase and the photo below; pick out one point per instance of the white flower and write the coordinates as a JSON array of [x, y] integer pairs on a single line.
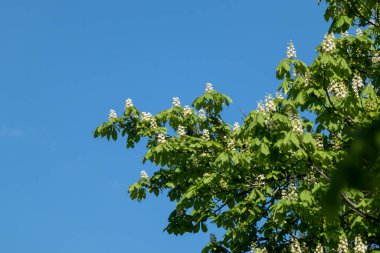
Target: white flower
[[128, 103], [146, 116], [269, 104], [342, 245], [357, 84], [291, 51], [328, 43], [112, 114], [202, 114], [236, 127], [205, 135], [375, 58], [176, 102], [297, 126], [187, 111], [279, 95], [307, 79], [345, 34], [143, 174], [231, 145], [209, 88], [260, 179], [359, 32], [338, 89], [181, 131], [319, 248], [260, 106], [161, 138], [153, 123], [295, 246], [360, 246]]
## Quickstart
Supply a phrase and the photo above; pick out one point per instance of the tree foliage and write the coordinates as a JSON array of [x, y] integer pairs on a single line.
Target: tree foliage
[[266, 183]]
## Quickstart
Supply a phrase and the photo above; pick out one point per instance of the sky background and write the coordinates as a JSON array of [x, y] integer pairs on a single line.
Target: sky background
[[65, 64]]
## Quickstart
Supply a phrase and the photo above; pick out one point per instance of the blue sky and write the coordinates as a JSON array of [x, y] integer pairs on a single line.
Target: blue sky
[[65, 63]]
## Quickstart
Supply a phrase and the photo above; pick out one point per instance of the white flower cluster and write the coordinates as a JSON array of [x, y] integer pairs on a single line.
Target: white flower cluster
[[146, 116], [176, 102], [342, 245], [338, 89], [181, 131], [291, 51], [230, 143], [128, 103], [357, 84], [290, 194], [345, 34], [205, 135], [260, 106], [209, 88], [236, 127], [269, 104], [153, 123], [112, 114], [328, 43], [319, 248], [359, 32], [202, 114], [375, 58], [279, 95], [187, 111], [360, 245], [260, 178], [161, 138], [143, 174], [319, 144], [295, 246], [297, 126]]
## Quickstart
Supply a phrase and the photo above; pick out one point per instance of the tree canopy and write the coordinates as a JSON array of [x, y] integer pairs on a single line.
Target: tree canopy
[[270, 182]]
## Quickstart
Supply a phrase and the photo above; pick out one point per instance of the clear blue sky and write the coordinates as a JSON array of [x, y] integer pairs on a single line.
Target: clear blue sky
[[65, 63]]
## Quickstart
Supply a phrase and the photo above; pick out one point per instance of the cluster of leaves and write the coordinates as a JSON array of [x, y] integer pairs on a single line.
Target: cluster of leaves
[[266, 183]]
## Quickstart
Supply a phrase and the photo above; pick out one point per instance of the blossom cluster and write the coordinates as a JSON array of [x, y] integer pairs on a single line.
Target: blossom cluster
[[146, 116], [345, 34], [375, 58], [230, 143], [297, 126], [176, 102], [187, 111], [342, 245], [181, 131], [161, 138], [279, 95], [260, 178], [209, 88], [153, 123], [338, 89], [112, 114], [357, 83], [269, 104], [359, 32], [205, 135], [290, 194], [319, 248], [202, 114], [291, 51], [236, 127], [295, 246], [328, 43], [360, 246], [143, 174], [128, 103]]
